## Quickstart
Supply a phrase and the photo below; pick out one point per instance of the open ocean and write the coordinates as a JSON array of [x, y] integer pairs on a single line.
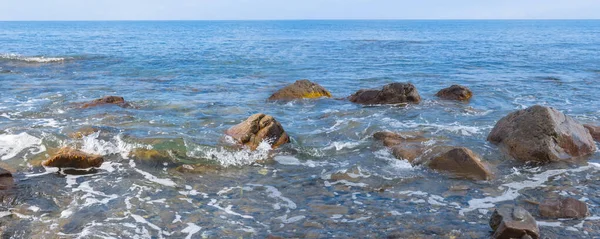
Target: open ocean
[[191, 80]]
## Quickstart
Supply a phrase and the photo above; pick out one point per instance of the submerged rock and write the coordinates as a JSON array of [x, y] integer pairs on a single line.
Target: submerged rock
[[461, 162], [542, 134], [199, 168], [514, 222], [299, 90], [6, 179], [406, 146], [455, 92], [83, 131], [72, 158], [115, 100], [394, 93], [257, 128], [563, 208], [594, 131]]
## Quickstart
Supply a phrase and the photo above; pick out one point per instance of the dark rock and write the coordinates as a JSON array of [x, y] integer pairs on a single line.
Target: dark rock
[[115, 100], [594, 131], [6, 179], [394, 93], [461, 162], [299, 90], [257, 128], [563, 208], [514, 222], [455, 92], [199, 168], [71, 158], [542, 134]]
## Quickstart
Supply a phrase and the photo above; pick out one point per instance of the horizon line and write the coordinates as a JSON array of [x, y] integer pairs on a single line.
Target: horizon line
[[309, 19]]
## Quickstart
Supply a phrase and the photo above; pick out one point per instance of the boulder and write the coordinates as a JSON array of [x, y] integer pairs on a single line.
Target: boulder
[[299, 90], [455, 92], [257, 128], [407, 146], [72, 158], [563, 208], [6, 179], [394, 93], [461, 162], [542, 134], [115, 100], [594, 131], [514, 222]]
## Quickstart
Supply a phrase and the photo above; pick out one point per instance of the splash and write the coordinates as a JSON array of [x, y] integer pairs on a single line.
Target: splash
[[93, 145], [228, 158], [12, 145]]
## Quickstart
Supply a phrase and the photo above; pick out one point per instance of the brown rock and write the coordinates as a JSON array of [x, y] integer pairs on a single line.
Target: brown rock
[[563, 208], [6, 179], [83, 131], [394, 93], [71, 158], [542, 134], [257, 128], [514, 222], [116, 100], [406, 145], [461, 162], [455, 92], [299, 90], [594, 131]]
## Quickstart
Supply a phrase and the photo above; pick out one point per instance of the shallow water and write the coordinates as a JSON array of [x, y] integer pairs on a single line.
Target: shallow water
[[190, 81]]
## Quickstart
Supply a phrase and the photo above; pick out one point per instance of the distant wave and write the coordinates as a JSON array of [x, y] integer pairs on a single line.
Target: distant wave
[[30, 59]]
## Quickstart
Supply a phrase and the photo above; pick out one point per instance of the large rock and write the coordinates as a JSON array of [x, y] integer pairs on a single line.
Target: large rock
[[394, 93], [115, 100], [257, 128], [455, 92], [461, 162], [563, 208], [542, 134], [514, 222], [72, 158], [299, 90], [594, 131], [6, 179]]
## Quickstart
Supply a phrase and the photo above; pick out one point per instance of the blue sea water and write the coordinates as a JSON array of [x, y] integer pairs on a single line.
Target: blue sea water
[[191, 80]]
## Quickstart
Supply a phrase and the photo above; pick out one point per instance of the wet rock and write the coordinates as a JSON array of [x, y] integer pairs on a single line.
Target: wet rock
[[257, 128], [455, 92], [594, 131], [72, 158], [405, 145], [394, 93], [542, 134], [514, 222], [301, 89], [461, 162], [83, 131], [199, 168], [115, 100], [6, 179], [563, 208]]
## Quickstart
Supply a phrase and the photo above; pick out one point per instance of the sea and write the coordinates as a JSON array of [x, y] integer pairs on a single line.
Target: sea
[[189, 81]]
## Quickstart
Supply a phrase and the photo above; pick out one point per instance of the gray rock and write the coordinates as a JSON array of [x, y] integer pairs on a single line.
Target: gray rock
[[514, 222], [394, 93]]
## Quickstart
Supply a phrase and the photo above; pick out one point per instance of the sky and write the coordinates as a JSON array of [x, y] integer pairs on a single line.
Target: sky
[[11, 10]]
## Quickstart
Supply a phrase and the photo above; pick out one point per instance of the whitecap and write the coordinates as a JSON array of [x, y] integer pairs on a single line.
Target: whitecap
[[31, 59], [227, 158], [11, 145], [93, 145]]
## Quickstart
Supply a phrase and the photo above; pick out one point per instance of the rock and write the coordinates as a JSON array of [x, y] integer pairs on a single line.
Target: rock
[[72, 158], [257, 128], [83, 131], [406, 146], [455, 92], [461, 162], [115, 100], [542, 134], [594, 131], [6, 179], [563, 208], [299, 90], [514, 222], [394, 93], [199, 168]]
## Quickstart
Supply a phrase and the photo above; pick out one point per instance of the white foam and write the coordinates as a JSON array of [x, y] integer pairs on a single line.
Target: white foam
[[286, 220], [93, 145], [31, 59], [274, 193], [162, 181], [11, 145], [342, 145], [229, 158], [291, 160], [215, 204], [191, 229]]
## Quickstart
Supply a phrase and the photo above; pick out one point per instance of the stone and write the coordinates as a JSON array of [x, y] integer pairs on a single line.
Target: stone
[[72, 158], [594, 131], [513, 222], [542, 134], [461, 162], [257, 128], [301, 89], [455, 92], [6, 179], [563, 208], [405, 145], [394, 93], [115, 100], [199, 168], [83, 132]]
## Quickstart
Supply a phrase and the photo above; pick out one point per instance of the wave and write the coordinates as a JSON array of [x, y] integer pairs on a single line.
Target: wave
[[12, 145], [227, 158], [31, 59]]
